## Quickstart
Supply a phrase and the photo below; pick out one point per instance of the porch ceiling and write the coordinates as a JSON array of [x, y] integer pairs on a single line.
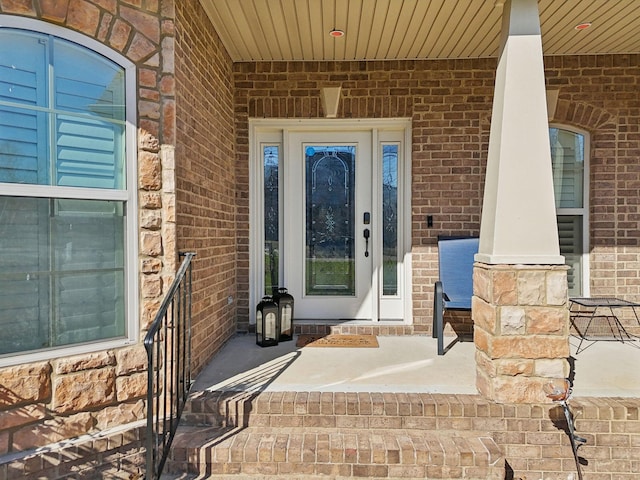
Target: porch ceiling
[[273, 30]]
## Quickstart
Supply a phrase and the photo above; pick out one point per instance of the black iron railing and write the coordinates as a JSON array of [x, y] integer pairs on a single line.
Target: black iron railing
[[168, 345]]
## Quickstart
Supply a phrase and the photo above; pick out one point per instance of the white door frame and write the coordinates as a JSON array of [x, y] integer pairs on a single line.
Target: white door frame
[[276, 132]]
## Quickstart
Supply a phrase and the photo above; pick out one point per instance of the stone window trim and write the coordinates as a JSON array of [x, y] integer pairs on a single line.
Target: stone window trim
[[128, 195]]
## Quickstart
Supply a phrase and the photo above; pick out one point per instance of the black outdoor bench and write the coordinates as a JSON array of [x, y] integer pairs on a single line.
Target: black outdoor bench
[[454, 289]]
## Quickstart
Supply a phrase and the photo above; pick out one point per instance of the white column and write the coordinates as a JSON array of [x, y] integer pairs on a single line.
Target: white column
[[518, 215]]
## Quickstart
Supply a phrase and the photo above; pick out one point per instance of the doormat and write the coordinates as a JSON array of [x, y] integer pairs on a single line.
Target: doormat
[[336, 340]]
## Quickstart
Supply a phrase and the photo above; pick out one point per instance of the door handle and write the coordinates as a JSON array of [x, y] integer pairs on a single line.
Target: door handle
[[366, 235]]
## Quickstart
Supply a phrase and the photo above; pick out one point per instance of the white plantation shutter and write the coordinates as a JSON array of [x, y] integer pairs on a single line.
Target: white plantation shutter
[[22, 127], [23, 292], [569, 173], [570, 234], [88, 264], [63, 279], [86, 153], [90, 132]]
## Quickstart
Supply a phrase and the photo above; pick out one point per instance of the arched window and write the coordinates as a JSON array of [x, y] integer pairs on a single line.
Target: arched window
[[67, 193], [570, 161]]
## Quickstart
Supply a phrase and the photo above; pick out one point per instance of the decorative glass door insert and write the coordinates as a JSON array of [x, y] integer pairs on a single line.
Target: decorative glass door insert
[[330, 226], [327, 267]]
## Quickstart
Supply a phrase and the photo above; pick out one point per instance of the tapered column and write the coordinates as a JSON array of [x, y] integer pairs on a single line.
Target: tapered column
[[521, 320], [518, 214]]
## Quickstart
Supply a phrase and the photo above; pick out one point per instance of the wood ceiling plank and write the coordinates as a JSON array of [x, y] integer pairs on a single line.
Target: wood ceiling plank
[[380, 10], [486, 41], [613, 29], [268, 20], [248, 45], [290, 14], [364, 29], [221, 17], [453, 20], [315, 37], [418, 22], [425, 36], [558, 25], [439, 15], [307, 26], [438, 32], [353, 20], [468, 34], [388, 29], [405, 21], [278, 22], [341, 15], [247, 20]]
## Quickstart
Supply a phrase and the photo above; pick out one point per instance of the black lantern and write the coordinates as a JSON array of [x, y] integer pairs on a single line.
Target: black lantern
[[285, 313], [267, 327]]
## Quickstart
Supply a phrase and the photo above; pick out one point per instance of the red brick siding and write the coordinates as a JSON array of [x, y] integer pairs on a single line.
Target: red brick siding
[[449, 103], [206, 176], [449, 110], [600, 95]]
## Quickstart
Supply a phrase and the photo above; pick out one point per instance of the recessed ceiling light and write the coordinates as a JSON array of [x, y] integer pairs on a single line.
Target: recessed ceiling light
[[583, 26], [335, 33]]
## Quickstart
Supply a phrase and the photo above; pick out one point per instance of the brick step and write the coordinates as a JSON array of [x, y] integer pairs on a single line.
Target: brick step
[[259, 452], [339, 410], [336, 435]]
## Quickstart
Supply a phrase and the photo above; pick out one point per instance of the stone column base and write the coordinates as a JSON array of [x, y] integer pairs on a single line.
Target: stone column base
[[521, 330]]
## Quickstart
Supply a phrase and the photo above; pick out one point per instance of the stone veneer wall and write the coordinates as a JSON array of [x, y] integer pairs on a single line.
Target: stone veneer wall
[[53, 400], [521, 330], [449, 103], [206, 177]]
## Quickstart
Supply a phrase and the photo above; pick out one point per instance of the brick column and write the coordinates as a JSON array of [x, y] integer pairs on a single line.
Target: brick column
[[521, 330]]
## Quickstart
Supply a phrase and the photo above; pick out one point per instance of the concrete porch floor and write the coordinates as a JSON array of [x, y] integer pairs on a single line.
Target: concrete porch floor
[[401, 364]]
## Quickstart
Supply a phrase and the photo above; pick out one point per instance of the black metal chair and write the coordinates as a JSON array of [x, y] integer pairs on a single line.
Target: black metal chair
[[454, 289]]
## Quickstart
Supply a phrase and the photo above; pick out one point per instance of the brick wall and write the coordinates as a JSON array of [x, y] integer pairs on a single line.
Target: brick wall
[[53, 400], [206, 177], [600, 95], [449, 103], [536, 445], [450, 114]]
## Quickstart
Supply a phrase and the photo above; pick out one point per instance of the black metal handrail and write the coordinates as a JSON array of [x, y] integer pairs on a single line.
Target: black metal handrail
[[168, 345]]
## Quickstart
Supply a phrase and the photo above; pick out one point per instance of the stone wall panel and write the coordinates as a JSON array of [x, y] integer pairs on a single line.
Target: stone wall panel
[[84, 362], [125, 412], [131, 386], [25, 384], [143, 32], [23, 415], [84, 390], [131, 360]]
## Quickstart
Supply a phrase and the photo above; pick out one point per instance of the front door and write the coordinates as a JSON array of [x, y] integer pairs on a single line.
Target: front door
[[329, 236], [330, 217]]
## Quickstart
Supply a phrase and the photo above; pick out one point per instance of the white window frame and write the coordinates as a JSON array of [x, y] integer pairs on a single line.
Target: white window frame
[[128, 196], [584, 211]]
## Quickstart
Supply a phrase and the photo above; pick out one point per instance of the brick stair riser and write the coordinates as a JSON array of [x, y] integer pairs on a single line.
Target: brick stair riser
[[362, 411], [339, 435], [349, 453]]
